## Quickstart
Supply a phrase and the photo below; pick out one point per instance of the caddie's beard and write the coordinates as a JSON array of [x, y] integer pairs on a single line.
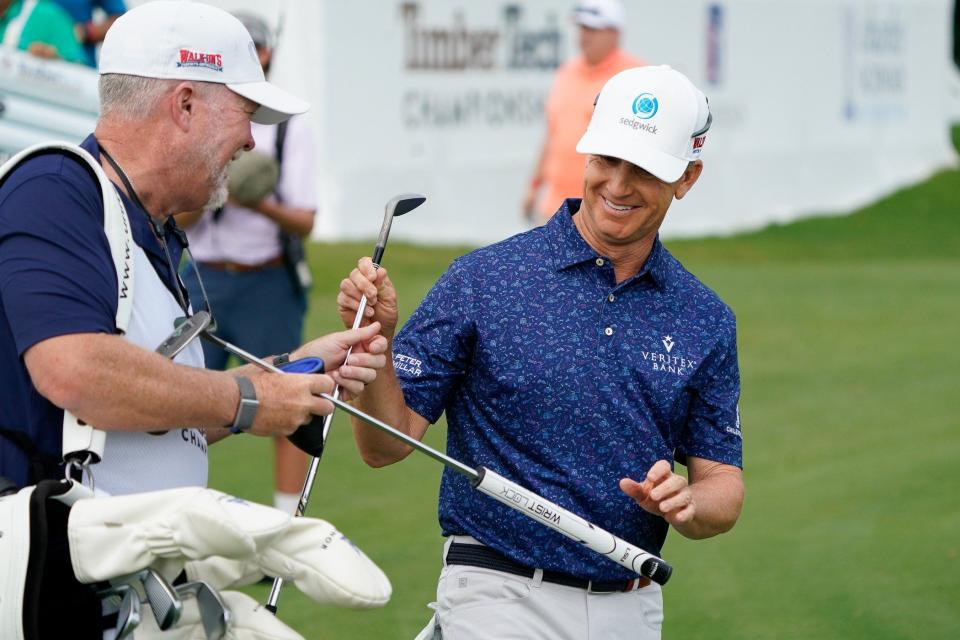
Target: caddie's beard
[[218, 196]]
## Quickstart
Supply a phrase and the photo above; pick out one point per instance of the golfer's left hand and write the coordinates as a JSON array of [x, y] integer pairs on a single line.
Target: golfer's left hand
[[663, 493], [365, 360]]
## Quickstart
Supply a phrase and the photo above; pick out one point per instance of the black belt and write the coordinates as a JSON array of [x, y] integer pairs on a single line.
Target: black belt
[[475, 555]]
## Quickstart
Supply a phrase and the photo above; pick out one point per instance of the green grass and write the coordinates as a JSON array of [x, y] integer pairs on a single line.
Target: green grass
[[851, 395]]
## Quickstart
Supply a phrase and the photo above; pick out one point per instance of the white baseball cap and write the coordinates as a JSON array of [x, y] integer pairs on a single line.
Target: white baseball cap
[[194, 41], [652, 117], [599, 14]]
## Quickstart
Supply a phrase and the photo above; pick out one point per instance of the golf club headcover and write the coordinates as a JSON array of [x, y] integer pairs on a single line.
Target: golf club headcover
[[311, 553], [119, 535], [308, 437], [249, 620]]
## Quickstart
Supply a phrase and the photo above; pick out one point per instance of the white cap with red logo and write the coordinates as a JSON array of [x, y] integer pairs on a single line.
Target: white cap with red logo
[[653, 117], [180, 40]]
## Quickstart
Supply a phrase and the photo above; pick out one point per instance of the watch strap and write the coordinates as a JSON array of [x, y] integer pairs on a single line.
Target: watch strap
[[246, 407]]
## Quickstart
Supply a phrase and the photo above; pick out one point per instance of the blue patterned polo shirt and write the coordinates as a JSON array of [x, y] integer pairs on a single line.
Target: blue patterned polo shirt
[[564, 381]]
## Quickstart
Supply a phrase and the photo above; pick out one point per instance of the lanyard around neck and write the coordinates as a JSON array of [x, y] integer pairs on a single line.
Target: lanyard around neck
[[158, 229]]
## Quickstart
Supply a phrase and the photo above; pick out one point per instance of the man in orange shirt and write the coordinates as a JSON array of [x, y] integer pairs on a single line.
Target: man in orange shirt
[[559, 170]]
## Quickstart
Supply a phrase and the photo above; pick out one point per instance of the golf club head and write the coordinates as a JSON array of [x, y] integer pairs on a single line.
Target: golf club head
[[309, 437], [396, 206], [164, 603], [214, 615], [184, 333], [128, 615], [124, 601], [156, 592], [404, 203]]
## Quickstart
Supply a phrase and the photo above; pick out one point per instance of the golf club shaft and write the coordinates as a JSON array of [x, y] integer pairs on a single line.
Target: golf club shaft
[[534, 506], [311, 476], [396, 206], [240, 353], [399, 435], [314, 463]]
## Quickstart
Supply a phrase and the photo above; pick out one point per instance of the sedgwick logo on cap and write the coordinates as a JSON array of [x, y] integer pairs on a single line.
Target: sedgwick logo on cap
[[212, 61], [644, 107]]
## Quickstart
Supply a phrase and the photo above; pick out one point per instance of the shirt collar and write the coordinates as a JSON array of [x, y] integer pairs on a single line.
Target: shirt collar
[[570, 249]]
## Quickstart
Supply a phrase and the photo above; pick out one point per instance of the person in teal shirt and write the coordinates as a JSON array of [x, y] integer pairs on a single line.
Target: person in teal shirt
[[39, 27]]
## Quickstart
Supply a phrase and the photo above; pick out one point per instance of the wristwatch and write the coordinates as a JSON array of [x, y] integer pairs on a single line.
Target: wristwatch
[[247, 407]]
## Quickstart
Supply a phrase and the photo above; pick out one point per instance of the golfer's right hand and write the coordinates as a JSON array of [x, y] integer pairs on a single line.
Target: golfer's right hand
[[373, 283], [288, 401]]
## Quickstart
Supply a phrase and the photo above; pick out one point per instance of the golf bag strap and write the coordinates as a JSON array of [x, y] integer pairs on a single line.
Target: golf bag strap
[[49, 578], [81, 441]]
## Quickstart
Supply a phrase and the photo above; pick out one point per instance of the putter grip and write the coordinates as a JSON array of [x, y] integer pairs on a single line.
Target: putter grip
[[571, 525]]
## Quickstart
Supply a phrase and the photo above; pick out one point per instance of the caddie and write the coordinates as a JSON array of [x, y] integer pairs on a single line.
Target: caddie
[[581, 360], [88, 289]]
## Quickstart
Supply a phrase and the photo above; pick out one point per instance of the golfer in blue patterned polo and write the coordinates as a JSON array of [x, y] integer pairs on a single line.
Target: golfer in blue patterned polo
[[581, 360]]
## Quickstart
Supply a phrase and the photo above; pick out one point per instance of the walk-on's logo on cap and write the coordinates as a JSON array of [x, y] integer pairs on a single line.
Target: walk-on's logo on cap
[[652, 117], [645, 106], [190, 58]]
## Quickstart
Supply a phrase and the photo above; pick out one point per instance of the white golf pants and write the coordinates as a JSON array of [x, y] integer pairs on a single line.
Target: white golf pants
[[482, 604]]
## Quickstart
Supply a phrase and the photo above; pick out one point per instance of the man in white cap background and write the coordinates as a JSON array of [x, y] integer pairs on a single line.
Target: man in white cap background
[[559, 169], [581, 360], [180, 84], [249, 253]]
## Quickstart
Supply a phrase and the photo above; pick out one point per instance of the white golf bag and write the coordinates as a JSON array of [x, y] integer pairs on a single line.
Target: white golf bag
[[68, 559]]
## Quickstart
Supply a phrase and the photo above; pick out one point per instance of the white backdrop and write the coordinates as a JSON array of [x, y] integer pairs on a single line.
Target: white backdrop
[[819, 105]]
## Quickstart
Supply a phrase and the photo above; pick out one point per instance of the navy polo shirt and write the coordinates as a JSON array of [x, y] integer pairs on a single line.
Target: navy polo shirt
[[56, 278], [557, 377]]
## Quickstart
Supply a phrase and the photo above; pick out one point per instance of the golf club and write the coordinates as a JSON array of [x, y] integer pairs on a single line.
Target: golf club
[[308, 437], [157, 592], [184, 332], [214, 615], [534, 506], [128, 615], [124, 601]]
